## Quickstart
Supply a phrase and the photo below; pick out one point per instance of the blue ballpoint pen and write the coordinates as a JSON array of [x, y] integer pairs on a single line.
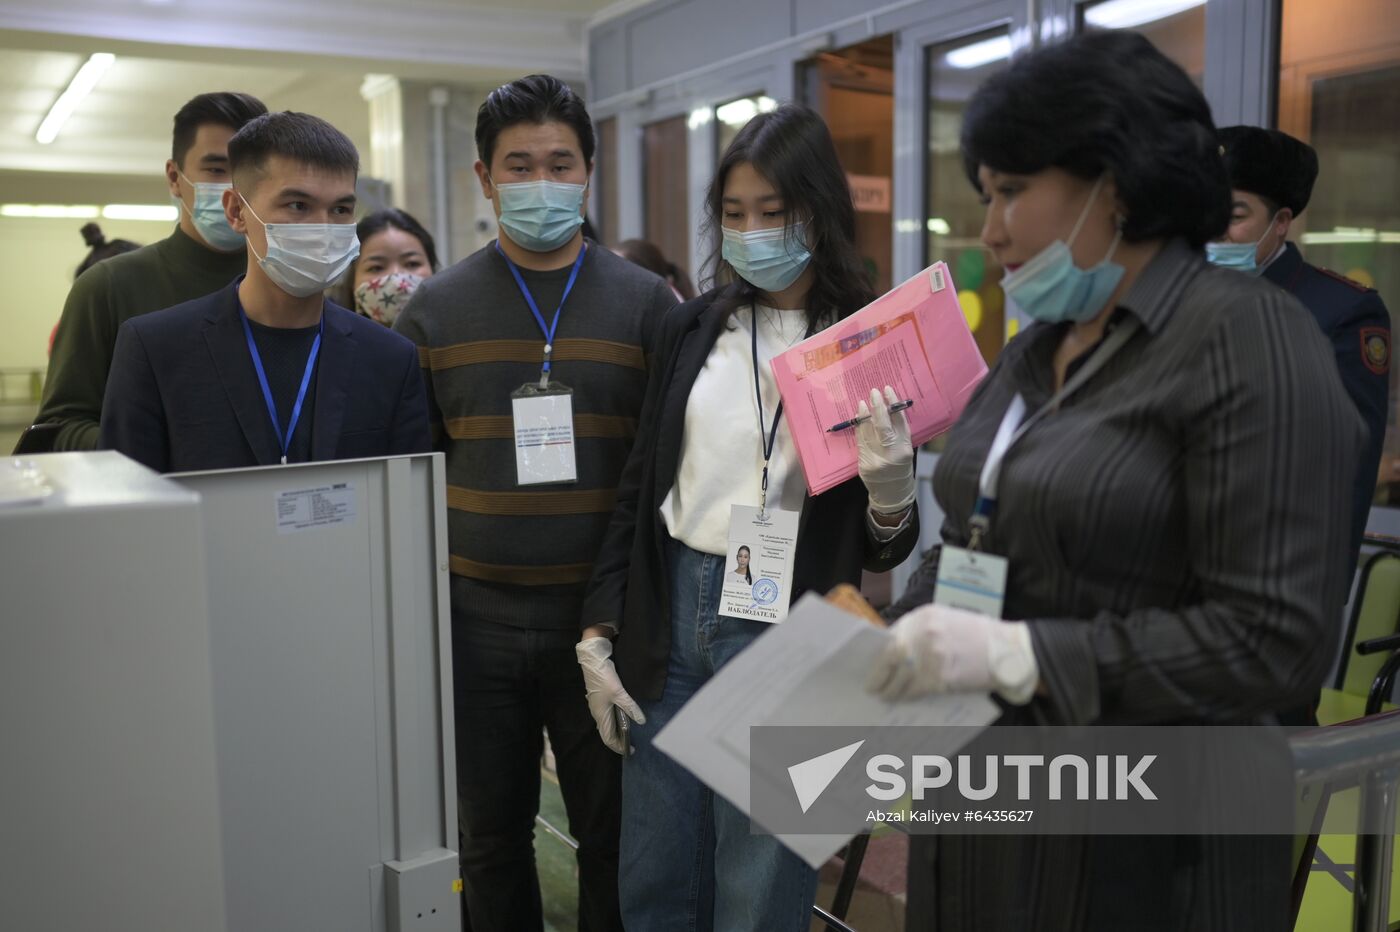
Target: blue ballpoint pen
[[847, 425]]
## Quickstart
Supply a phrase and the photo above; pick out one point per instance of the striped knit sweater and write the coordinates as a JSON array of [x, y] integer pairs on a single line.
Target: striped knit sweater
[[522, 555]]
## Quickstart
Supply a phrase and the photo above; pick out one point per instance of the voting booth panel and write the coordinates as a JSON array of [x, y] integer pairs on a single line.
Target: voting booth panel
[[331, 659], [109, 808]]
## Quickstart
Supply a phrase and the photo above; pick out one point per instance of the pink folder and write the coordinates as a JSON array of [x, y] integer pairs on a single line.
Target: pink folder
[[913, 338]]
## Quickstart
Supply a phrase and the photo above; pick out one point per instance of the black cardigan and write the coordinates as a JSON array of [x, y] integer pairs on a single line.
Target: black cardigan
[[630, 588]]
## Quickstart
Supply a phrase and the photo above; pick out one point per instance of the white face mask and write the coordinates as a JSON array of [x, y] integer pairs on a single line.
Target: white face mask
[[304, 258]]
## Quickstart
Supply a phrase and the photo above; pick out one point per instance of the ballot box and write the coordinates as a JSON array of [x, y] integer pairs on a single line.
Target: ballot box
[[109, 805], [330, 655]]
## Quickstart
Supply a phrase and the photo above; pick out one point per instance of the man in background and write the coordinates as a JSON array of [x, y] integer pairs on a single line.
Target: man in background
[[201, 256]]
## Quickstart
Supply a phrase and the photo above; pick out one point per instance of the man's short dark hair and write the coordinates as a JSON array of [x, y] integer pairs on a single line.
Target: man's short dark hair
[[224, 108], [300, 137], [1108, 103], [536, 98]]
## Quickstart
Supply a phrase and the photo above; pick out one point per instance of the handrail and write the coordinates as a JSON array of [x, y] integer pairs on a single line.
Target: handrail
[[1345, 753], [1382, 541], [1364, 752]]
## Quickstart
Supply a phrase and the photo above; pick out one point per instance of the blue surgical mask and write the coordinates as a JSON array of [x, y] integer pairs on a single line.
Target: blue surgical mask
[[208, 215], [770, 260], [541, 216], [1242, 257], [1052, 289]]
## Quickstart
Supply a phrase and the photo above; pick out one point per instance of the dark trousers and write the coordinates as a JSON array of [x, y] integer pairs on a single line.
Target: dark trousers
[[511, 684]]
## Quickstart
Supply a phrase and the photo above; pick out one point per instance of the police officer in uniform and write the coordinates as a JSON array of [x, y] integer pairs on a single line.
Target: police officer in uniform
[[1272, 176]]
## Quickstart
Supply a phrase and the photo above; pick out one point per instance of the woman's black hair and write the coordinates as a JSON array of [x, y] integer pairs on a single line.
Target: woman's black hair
[[99, 248], [1107, 103], [381, 220], [791, 148], [649, 256], [748, 574], [343, 291]]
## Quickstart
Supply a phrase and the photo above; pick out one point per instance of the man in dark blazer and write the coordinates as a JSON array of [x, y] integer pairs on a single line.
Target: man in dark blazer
[[267, 370]]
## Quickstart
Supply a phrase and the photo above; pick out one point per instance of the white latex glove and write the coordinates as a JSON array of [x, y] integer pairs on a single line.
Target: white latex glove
[[886, 459], [604, 691], [937, 649]]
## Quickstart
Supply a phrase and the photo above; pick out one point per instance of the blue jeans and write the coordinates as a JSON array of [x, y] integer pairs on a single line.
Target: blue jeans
[[688, 860]]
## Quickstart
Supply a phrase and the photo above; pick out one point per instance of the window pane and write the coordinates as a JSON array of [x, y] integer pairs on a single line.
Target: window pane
[[1339, 90], [954, 215], [1176, 27], [667, 183]]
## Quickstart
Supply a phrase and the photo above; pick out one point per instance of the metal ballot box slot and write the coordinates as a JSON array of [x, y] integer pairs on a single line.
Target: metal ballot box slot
[[332, 682], [109, 808]]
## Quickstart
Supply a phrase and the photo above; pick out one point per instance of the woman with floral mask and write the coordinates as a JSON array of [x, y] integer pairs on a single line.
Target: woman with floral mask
[[396, 254], [1160, 466], [713, 454]]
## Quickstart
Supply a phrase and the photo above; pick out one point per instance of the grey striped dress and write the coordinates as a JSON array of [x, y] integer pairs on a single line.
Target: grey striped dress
[[1177, 535]]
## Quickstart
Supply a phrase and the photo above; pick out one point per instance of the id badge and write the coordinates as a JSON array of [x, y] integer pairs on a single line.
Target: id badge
[[971, 580], [758, 566], [544, 434]]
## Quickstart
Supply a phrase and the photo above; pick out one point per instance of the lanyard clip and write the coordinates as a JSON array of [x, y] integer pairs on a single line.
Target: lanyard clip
[[980, 523], [763, 495], [544, 368], [979, 526]]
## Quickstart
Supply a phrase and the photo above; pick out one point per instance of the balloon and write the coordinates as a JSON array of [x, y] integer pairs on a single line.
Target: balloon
[[971, 268], [1362, 277], [971, 303]]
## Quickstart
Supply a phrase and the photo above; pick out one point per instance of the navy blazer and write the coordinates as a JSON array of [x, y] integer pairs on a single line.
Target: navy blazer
[[182, 394], [630, 586]]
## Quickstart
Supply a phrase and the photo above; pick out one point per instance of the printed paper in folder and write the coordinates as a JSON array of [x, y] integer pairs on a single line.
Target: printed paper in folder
[[914, 338]]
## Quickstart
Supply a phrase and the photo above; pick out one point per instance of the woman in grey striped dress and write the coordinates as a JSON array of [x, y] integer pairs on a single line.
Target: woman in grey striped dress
[[1174, 510]]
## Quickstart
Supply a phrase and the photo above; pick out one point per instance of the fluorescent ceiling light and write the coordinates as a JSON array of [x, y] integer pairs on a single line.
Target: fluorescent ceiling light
[[141, 212], [701, 116], [1342, 235], [737, 112], [767, 105], [63, 211], [82, 84], [938, 226], [980, 53], [1125, 14]]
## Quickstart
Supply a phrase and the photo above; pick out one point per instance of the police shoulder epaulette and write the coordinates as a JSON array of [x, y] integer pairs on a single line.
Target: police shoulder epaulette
[[1349, 282]]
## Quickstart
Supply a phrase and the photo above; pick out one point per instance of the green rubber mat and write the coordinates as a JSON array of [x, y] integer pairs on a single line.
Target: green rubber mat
[[1327, 902]]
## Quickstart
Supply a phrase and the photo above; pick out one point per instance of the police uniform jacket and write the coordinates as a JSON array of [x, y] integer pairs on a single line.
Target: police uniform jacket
[[1355, 321]]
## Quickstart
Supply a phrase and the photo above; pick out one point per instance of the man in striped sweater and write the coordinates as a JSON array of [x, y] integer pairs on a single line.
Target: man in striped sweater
[[540, 298]]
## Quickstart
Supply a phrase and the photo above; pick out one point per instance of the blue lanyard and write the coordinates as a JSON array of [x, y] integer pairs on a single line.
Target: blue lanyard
[[283, 442], [547, 329]]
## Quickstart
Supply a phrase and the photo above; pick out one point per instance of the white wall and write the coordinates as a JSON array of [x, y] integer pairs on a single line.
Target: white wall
[[38, 258]]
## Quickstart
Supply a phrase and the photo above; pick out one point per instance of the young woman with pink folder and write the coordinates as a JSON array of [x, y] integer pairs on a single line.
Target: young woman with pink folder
[[713, 455]]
